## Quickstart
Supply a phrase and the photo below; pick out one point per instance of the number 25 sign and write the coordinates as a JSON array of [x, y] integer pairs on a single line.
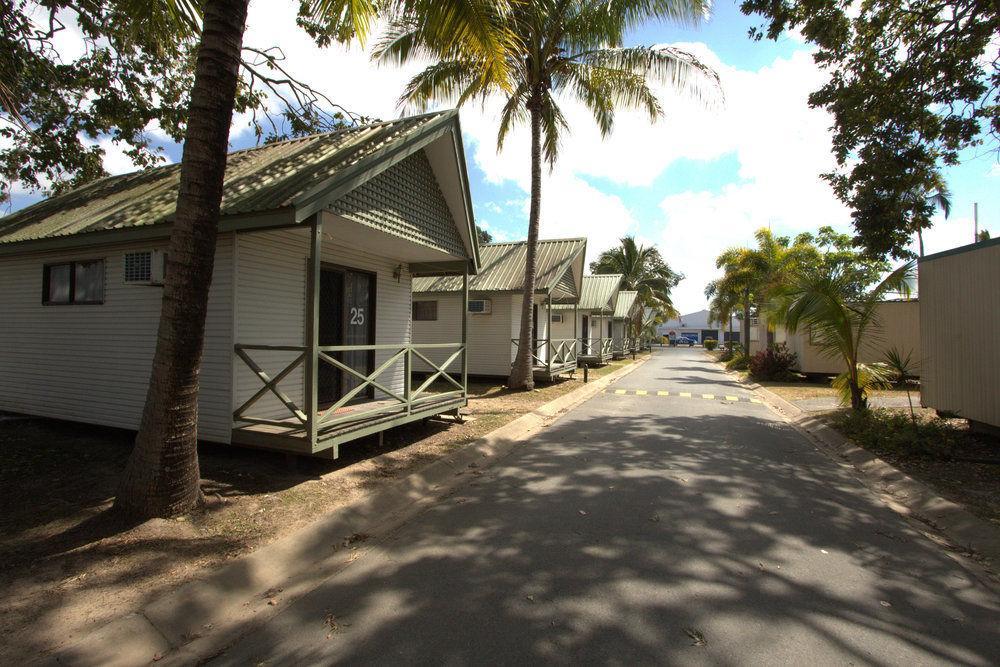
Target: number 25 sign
[[357, 316]]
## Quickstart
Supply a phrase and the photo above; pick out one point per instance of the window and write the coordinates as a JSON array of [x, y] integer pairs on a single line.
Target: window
[[425, 311], [480, 306], [144, 267], [138, 267], [557, 318], [73, 282]]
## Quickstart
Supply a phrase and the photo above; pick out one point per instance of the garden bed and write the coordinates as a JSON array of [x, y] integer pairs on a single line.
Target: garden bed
[[961, 465]]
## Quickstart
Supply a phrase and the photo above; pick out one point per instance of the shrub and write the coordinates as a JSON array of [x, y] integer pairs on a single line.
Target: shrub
[[710, 344], [733, 349], [774, 363], [895, 432]]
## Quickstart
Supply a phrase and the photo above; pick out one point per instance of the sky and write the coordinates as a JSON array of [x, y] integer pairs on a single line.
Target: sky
[[701, 179]]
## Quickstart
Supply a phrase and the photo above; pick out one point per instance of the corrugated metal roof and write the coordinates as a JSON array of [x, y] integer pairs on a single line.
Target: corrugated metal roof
[[265, 178], [502, 267], [626, 301], [599, 292]]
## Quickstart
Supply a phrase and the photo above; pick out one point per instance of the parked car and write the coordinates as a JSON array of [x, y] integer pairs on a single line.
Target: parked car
[[686, 340]]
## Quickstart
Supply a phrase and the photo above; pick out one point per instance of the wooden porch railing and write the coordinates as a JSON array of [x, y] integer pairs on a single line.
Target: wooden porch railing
[[558, 352], [393, 402]]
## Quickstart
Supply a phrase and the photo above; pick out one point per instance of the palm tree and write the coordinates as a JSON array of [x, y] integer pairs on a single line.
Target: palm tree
[[738, 285], [559, 47], [937, 196], [839, 324], [162, 475], [752, 275], [722, 304], [643, 270]]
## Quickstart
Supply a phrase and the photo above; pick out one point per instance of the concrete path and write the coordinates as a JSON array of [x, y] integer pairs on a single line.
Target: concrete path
[[648, 528]]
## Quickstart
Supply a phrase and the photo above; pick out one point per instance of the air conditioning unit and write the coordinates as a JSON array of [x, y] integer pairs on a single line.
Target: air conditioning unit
[[480, 306], [144, 267]]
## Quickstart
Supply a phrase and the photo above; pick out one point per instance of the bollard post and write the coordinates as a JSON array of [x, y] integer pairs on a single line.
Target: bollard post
[[585, 369]]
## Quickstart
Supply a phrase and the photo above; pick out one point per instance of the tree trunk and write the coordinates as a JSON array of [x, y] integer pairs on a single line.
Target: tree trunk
[[162, 477], [746, 324], [920, 242], [521, 376]]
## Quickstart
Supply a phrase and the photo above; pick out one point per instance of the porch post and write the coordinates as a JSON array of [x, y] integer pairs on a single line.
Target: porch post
[[465, 329], [548, 333], [312, 328], [576, 339]]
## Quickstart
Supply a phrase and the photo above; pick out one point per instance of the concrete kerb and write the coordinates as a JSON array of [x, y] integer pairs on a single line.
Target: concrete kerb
[[910, 497], [202, 617]]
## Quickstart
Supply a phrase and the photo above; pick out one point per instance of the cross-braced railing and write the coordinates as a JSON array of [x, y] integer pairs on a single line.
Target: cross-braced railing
[[550, 353], [391, 400]]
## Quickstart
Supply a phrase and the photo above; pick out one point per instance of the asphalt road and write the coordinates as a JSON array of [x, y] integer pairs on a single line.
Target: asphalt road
[[649, 528]]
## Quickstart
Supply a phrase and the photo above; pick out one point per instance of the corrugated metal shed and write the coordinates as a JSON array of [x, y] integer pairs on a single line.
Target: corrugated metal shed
[[262, 179], [626, 302], [502, 268]]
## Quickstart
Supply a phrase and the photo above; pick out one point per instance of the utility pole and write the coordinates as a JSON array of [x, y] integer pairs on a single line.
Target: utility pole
[[975, 220]]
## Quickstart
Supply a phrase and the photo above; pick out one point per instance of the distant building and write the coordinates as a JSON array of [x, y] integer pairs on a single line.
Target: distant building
[[697, 325]]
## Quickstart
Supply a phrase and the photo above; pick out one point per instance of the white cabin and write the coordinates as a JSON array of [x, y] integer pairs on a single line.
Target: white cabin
[[308, 333]]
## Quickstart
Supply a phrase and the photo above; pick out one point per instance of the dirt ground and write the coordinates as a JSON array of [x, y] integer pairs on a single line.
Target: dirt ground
[[797, 391], [67, 566]]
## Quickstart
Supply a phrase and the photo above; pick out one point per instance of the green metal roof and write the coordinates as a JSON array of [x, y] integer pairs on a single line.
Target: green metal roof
[[298, 177], [600, 292], [625, 304], [502, 268]]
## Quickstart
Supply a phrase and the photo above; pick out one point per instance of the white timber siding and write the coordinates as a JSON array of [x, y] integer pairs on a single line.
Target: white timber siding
[[489, 333], [270, 310], [491, 351], [91, 363], [960, 332]]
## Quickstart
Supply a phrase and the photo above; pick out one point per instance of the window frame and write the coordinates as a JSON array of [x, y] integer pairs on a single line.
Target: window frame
[[72, 264], [413, 311]]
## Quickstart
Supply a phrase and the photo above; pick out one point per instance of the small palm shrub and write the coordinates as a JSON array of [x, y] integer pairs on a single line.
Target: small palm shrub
[[738, 361], [730, 350], [774, 363], [710, 344]]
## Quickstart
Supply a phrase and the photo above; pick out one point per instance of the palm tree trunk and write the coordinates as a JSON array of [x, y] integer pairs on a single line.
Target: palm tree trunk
[[746, 323], [162, 477], [920, 242], [520, 373]]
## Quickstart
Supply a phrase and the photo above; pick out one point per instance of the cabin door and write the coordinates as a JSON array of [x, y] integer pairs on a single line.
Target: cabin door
[[346, 317], [586, 335]]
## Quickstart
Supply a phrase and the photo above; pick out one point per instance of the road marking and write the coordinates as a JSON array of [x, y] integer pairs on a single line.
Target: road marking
[[683, 394]]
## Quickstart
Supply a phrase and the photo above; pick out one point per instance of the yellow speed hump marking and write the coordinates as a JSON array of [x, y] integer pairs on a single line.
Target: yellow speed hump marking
[[683, 394]]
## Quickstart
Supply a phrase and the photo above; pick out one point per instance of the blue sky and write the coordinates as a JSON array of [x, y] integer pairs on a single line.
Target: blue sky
[[692, 183]]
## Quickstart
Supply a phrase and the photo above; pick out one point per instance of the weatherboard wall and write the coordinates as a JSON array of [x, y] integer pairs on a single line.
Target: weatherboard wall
[[270, 310], [91, 363], [960, 332], [489, 335]]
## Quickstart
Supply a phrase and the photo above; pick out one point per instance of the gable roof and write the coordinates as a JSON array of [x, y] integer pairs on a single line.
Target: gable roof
[[502, 269], [625, 304], [279, 184], [600, 292]]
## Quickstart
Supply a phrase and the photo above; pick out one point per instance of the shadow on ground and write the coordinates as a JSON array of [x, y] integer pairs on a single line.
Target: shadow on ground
[[626, 539]]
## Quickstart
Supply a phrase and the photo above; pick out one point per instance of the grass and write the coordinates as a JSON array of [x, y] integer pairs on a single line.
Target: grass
[[66, 564]]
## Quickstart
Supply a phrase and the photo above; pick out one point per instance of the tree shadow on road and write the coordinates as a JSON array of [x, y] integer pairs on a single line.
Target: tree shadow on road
[[623, 538]]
